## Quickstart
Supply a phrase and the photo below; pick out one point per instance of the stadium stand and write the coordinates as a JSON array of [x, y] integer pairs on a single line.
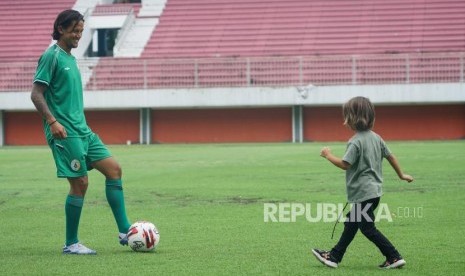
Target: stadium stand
[[25, 32], [210, 43], [221, 28], [26, 27], [272, 42]]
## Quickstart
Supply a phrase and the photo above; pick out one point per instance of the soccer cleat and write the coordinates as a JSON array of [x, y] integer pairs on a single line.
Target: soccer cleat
[[123, 239], [393, 263], [325, 258], [78, 249]]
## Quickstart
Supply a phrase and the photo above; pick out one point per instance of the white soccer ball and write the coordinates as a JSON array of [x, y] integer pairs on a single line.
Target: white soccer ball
[[143, 236]]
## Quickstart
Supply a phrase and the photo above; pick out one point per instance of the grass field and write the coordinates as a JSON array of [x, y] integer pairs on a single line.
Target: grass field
[[208, 203]]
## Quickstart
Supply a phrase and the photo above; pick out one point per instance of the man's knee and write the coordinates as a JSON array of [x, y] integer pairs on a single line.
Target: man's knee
[[109, 167], [115, 172], [78, 185]]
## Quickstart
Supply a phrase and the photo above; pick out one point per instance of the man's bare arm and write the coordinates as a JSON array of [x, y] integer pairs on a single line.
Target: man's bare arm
[[38, 98]]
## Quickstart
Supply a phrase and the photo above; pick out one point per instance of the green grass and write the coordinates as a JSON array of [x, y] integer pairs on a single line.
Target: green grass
[[208, 201]]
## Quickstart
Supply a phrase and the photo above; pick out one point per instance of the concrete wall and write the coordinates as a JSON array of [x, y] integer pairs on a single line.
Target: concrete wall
[[320, 123], [25, 127], [263, 114], [412, 122], [222, 125]]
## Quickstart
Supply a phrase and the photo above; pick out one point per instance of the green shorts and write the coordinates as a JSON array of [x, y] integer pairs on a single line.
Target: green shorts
[[74, 155]]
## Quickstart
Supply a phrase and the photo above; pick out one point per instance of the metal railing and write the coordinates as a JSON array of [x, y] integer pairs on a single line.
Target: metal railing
[[140, 73]]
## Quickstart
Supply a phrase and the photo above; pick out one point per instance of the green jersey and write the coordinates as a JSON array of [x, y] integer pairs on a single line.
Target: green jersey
[[58, 70], [365, 152]]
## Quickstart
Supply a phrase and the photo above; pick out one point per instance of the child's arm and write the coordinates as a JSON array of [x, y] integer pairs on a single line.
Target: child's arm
[[395, 165], [338, 162]]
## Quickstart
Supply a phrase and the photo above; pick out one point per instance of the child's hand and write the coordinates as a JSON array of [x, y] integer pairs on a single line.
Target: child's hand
[[338, 162], [325, 151], [407, 178]]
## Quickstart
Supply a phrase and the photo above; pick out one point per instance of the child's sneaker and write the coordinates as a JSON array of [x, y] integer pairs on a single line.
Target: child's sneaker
[[325, 258], [393, 263], [78, 249], [123, 239]]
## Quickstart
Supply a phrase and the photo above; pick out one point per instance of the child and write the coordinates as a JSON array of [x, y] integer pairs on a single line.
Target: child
[[362, 162]]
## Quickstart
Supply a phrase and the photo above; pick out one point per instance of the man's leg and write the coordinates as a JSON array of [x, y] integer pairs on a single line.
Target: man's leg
[[114, 191], [73, 207]]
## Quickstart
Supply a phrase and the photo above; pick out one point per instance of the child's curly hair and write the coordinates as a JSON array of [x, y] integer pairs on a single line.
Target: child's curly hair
[[359, 114]]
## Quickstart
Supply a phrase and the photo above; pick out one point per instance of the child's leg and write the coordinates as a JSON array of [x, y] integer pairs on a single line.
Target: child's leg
[[368, 228], [350, 229]]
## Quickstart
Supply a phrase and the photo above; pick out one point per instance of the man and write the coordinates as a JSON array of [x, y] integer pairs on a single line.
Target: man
[[57, 96]]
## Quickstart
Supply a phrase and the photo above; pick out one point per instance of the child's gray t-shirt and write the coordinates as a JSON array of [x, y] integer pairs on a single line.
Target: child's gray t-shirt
[[365, 152]]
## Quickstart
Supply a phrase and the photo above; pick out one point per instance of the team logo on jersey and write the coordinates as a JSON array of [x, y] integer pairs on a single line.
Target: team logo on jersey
[[67, 68], [75, 165]]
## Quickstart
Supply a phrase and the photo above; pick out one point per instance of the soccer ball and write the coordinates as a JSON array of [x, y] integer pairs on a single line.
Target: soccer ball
[[143, 236]]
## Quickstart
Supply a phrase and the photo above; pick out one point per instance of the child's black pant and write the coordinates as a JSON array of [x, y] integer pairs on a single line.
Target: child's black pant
[[362, 217]]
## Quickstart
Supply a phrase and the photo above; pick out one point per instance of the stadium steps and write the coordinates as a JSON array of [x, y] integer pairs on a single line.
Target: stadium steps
[[139, 28], [136, 38]]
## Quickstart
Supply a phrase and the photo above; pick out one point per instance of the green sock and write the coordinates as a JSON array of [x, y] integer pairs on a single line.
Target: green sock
[[73, 208], [114, 193]]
